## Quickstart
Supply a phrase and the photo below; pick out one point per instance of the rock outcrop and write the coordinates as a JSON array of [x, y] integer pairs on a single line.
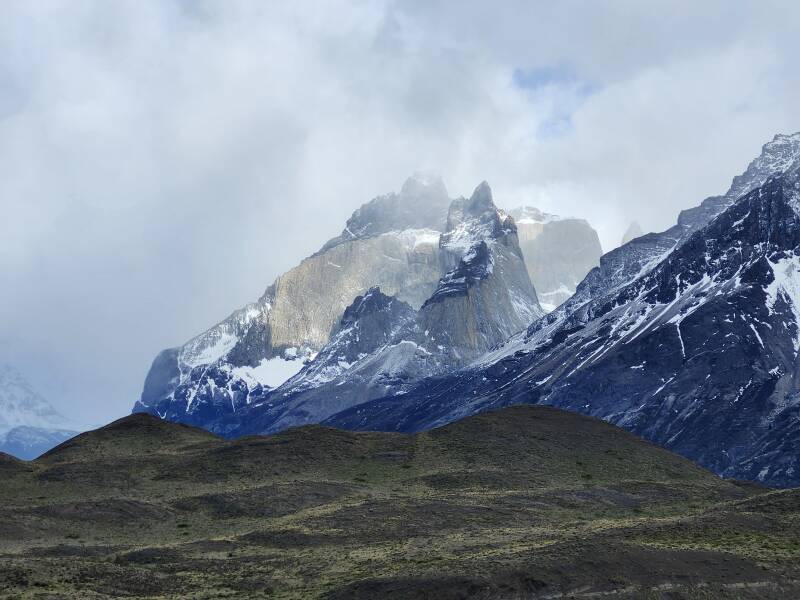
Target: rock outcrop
[[558, 251]]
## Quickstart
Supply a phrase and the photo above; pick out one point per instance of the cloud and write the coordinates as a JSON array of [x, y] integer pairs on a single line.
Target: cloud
[[161, 163]]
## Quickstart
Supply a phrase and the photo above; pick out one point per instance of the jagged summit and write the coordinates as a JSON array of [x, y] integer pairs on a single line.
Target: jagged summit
[[481, 199], [621, 265], [633, 231], [776, 156], [421, 204], [370, 302], [424, 183]]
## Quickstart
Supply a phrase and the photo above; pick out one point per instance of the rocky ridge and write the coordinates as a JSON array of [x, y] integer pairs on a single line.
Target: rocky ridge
[[698, 352]]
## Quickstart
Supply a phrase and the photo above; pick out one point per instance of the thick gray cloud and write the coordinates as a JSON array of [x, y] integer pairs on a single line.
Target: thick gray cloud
[[161, 162]]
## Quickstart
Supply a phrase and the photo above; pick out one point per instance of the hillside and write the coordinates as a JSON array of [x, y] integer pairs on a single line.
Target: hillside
[[524, 502]]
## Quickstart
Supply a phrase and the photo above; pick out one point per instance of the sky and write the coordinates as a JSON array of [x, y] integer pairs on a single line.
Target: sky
[[161, 162]]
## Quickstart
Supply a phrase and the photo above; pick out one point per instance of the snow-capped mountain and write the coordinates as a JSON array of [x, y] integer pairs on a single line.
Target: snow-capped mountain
[[622, 265], [21, 405], [391, 242], [29, 425], [383, 346], [558, 251], [459, 274], [694, 345]]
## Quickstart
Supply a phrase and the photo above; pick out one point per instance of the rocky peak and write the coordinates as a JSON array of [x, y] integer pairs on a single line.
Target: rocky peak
[[472, 220], [776, 156], [424, 185], [475, 265], [371, 302], [633, 231], [623, 264], [558, 252], [421, 204]]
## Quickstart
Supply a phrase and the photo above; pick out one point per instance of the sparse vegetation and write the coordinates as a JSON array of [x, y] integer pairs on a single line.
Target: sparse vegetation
[[527, 502]]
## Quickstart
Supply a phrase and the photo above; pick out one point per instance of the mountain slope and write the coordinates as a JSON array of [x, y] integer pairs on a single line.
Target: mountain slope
[[698, 353], [526, 502], [624, 264], [558, 252]]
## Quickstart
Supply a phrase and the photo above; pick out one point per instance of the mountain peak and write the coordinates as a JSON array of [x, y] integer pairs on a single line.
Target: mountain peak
[[633, 231], [20, 404], [481, 198], [421, 204], [372, 301], [776, 156], [429, 182]]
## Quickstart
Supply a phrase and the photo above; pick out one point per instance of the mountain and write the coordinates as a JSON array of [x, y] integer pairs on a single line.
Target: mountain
[[29, 425], [633, 231], [558, 251], [695, 350], [27, 443], [383, 346], [527, 502], [409, 324], [21, 405]]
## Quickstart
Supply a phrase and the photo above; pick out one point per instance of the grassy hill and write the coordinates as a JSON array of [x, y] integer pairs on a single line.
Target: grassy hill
[[527, 502]]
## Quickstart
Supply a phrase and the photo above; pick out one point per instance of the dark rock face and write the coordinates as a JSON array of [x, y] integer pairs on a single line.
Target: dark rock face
[[698, 354]]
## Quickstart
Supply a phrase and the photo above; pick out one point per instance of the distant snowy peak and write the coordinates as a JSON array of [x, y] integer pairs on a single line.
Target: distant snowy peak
[[21, 405], [529, 215]]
